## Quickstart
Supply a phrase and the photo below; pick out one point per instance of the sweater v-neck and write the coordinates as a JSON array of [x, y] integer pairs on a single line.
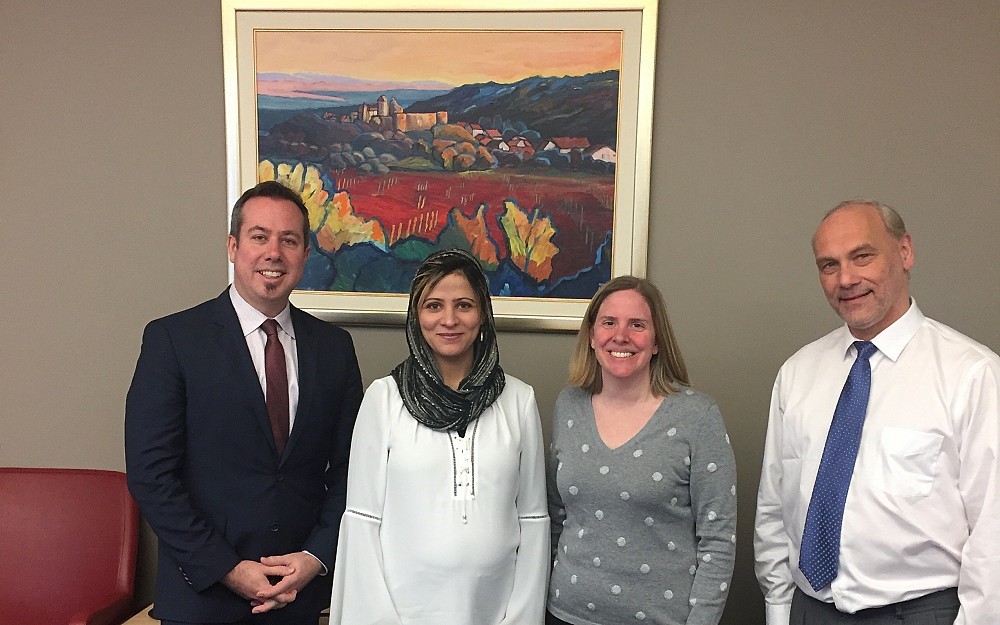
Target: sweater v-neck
[[596, 432]]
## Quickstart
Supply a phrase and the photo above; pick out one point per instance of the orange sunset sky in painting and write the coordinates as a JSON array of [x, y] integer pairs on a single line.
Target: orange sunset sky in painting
[[449, 57]]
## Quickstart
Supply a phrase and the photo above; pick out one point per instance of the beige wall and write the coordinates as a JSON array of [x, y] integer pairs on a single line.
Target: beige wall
[[767, 113]]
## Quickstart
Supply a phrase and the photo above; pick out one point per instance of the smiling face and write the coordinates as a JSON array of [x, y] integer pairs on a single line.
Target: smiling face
[[623, 337], [450, 317], [863, 269], [270, 253]]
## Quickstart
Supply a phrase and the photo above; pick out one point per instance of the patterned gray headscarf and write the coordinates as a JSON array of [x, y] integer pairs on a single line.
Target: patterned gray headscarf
[[424, 393]]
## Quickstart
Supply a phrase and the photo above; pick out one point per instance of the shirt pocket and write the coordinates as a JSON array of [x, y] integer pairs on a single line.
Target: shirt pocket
[[908, 461]]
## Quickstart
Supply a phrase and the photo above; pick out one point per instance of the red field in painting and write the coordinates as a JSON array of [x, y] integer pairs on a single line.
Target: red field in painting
[[581, 206]]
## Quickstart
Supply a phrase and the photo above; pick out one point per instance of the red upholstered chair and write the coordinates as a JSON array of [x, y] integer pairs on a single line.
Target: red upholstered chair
[[67, 547]]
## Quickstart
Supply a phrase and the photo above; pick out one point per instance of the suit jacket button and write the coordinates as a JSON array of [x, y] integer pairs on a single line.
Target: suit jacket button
[[274, 527], [281, 477]]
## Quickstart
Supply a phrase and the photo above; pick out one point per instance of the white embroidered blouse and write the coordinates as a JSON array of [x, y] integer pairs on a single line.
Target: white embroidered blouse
[[441, 528]]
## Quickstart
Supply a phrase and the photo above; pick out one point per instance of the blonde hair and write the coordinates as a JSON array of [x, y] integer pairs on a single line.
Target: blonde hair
[[666, 368]]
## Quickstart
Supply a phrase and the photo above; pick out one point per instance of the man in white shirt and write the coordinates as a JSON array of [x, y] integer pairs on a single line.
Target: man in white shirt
[[920, 529]]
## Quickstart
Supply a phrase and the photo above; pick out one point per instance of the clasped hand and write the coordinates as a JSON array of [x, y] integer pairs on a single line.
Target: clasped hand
[[250, 579]]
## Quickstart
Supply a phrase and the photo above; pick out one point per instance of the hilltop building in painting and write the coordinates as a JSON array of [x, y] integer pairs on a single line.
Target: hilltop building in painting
[[387, 114]]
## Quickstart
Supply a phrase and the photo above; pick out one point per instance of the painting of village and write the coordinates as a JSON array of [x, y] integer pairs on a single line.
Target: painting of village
[[401, 143]]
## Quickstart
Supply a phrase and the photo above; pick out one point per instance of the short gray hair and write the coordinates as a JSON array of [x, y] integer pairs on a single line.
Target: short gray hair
[[893, 222]]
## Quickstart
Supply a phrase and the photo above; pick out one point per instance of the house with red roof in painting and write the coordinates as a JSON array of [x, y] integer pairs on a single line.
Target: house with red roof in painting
[[566, 145]]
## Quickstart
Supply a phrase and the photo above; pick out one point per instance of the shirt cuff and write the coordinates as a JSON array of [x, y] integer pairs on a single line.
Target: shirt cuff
[[323, 570], [778, 613]]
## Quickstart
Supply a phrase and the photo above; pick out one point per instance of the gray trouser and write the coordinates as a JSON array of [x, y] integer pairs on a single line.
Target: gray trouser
[[937, 608]]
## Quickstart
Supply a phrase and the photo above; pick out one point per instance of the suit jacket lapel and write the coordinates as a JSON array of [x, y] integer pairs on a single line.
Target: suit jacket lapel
[[234, 345], [305, 346]]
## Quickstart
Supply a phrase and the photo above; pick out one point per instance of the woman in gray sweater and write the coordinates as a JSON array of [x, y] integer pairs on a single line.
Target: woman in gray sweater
[[641, 478]]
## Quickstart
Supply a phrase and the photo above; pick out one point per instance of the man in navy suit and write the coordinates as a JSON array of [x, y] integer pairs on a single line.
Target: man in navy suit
[[246, 518]]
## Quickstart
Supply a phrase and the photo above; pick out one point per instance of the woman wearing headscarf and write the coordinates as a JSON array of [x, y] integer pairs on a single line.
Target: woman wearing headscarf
[[642, 481], [446, 520]]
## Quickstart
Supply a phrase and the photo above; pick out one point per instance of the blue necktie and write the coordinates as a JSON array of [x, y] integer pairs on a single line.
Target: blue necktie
[[819, 556]]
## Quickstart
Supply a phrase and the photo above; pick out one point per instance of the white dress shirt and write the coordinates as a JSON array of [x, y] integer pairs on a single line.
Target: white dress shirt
[[923, 509], [250, 320]]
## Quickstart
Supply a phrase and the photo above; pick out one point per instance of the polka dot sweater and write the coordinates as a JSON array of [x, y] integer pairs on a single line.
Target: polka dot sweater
[[645, 532]]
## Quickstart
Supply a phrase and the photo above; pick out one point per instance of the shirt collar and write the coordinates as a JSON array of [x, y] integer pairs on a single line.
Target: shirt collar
[[893, 339], [251, 318]]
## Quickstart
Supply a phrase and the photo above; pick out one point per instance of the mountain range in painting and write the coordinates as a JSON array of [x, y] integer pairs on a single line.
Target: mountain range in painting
[[579, 106]]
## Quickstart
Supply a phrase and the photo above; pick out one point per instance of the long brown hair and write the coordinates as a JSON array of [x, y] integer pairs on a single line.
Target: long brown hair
[[666, 367]]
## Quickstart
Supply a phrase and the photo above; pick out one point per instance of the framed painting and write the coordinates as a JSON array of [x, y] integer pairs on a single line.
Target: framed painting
[[517, 130]]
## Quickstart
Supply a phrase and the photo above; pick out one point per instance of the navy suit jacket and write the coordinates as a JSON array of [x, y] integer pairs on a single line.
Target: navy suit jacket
[[204, 469]]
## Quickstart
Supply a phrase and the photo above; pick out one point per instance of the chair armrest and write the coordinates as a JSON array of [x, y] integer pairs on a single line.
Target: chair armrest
[[110, 610]]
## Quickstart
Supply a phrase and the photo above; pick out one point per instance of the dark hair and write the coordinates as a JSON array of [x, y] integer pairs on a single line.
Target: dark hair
[[271, 189], [667, 365], [446, 262]]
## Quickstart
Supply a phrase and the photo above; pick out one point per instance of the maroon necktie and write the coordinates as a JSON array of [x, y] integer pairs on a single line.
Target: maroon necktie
[[277, 384]]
